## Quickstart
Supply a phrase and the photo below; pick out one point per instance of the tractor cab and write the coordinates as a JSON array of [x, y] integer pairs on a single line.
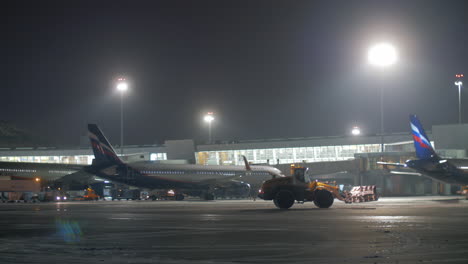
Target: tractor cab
[[300, 174]]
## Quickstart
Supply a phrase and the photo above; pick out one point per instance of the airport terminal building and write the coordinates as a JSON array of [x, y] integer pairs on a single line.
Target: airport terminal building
[[272, 152], [449, 140]]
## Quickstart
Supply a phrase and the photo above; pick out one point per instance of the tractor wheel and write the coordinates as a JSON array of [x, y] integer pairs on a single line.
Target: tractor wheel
[[323, 198], [284, 199]]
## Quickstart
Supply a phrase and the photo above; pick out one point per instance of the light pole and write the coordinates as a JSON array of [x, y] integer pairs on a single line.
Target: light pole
[[459, 83], [209, 118], [382, 55], [122, 87]]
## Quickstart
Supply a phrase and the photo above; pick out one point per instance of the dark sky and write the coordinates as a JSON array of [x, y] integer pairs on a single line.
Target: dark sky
[[268, 69]]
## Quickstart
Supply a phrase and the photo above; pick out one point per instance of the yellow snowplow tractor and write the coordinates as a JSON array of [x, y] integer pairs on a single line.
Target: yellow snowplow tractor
[[299, 187]]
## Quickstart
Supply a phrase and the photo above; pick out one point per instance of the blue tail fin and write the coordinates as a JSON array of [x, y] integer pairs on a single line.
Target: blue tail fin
[[422, 144], [103, 150]]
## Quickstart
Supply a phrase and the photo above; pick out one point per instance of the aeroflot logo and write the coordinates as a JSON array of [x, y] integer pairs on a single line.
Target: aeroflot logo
[[101, 147], [418, 137], [98, 147]]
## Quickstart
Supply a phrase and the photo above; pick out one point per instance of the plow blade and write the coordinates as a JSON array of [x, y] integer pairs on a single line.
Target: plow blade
[[360, 194]]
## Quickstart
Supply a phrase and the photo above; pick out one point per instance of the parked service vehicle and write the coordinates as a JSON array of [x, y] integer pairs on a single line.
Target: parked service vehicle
[[53, 196], [25, 197], [167, 195], [285, 191], [464, 191], [125, 194], [88, 195]]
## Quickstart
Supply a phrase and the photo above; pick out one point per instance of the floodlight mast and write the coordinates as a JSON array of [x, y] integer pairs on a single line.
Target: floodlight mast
[[122, 87], [209, 118], [459, 83], [382, 55]]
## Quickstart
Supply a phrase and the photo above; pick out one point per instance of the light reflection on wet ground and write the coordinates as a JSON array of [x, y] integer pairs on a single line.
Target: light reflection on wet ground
[[210, 217], [68, 231], [388, 218]]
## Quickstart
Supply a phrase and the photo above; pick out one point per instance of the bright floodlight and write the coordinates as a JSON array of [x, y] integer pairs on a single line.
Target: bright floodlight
[[356, 131], [458, 83], [209, 118], [382, 54], [123, 86]]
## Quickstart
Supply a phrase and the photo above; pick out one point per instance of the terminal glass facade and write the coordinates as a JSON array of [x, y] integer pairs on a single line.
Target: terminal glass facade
[[79, 159], [284, 155], [158, 156]]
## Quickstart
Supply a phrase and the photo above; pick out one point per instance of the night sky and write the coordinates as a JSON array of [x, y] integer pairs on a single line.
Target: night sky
[[268, 69]]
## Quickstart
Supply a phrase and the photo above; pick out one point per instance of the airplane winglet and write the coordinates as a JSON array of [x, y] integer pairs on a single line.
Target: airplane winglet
[[247, 165]]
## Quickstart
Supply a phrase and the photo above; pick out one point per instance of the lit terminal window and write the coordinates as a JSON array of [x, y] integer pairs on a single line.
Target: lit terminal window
[[285, 155]]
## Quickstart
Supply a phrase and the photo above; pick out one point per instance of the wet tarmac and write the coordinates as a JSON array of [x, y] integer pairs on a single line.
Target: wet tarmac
[[392, 230]]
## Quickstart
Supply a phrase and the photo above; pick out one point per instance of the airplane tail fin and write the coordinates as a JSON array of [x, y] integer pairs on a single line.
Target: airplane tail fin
[[422, 144], [103, 150]]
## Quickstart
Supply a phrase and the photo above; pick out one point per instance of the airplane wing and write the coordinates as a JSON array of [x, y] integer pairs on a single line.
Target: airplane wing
[[221, 179], [405, 173], [46, 171], [329, 176], [79, 176], [63, 173], [402, 168], [391, 164]]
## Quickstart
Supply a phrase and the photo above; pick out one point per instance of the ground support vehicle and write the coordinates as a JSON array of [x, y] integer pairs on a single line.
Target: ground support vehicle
[[284, 191], [464, 191], [360, 194], [88, 195], [19, 189], [125, 194], [16, 197], [167, 195]]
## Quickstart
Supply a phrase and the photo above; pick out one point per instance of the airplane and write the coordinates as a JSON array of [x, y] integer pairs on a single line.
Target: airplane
[[200, 179], [452, 171]]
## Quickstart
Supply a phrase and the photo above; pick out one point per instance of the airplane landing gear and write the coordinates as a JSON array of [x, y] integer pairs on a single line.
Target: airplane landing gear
[[179, 197], [208, 196]]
